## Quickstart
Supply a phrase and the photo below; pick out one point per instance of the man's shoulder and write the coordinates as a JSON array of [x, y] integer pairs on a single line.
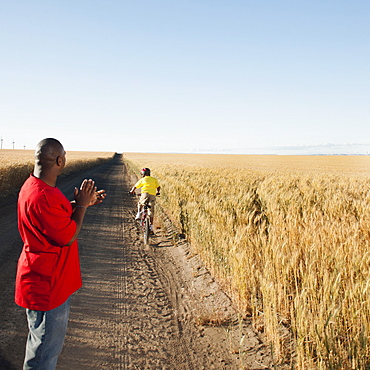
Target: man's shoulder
[[35, 184], [35, 189]]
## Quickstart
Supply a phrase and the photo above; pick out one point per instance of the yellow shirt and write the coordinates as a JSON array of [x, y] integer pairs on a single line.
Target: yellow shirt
[[148, 184]]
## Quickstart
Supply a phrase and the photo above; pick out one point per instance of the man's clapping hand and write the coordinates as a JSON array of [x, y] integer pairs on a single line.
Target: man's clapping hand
[[88, 195], [100, 196]]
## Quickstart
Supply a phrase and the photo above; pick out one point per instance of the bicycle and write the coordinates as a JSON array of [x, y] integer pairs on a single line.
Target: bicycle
[[145, 221]]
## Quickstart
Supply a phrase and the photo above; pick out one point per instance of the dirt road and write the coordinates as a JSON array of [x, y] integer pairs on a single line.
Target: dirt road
[[139, 308]]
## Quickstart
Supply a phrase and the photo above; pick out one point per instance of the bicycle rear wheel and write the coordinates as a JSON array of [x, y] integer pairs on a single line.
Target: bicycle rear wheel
[[146, 230]]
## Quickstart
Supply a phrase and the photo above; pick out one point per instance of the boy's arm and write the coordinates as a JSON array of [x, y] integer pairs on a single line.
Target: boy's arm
[[132, 191]]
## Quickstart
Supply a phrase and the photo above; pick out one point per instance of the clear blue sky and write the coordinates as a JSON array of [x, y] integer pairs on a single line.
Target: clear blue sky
[[186, 76]]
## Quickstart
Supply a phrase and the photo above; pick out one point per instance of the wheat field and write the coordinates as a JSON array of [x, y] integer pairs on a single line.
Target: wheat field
[[16, 165], [288, 238]]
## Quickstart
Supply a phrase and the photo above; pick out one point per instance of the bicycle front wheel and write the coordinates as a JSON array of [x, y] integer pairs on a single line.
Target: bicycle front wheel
[[146, 230]]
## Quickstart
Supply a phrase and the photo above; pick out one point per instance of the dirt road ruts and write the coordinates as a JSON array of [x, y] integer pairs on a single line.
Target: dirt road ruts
[[137, 307]]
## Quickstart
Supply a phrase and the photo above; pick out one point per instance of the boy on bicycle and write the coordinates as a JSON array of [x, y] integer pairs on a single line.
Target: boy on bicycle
[[149, 189]]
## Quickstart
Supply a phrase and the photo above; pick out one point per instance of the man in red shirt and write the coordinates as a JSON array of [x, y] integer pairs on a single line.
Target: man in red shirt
[[48, 270]]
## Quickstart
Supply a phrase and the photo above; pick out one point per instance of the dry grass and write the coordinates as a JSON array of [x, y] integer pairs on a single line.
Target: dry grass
[[289, 239], [16, 166]]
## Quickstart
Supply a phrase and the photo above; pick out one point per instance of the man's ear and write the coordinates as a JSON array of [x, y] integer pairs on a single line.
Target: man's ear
[[59, 161]]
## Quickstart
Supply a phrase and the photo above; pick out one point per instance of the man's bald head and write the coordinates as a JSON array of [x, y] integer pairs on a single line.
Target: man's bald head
[[47, 152]]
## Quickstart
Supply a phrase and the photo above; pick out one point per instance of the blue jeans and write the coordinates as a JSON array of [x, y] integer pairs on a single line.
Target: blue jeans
[[47, 330]]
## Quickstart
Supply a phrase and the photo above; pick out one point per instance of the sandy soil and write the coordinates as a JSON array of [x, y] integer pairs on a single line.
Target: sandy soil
[[140, 307]]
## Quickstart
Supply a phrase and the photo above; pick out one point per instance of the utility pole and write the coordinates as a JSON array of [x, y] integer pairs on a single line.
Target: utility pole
[[24, 146], [2, 141], [13, 142]]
